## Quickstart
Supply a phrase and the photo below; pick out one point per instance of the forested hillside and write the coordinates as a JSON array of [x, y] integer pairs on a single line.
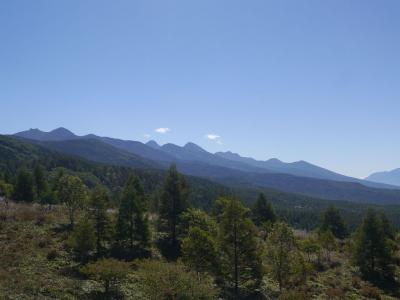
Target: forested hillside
[[61, 239], [299, 210]]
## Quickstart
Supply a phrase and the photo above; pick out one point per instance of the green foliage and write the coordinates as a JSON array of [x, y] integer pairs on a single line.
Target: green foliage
[[83, 239], [6, 189], [98, 204], [24, 188], [328, 243], [133, 235], [239, 250], [281, 250], [109, 272], [40, 181], [333, 221], [263, 211], [199, 251], [372, 251], [157, 280], [311, 247], [197, 218], [72, 192], [173, 203]]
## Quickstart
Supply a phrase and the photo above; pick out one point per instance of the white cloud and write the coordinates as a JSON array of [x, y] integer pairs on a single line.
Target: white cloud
[[162, 130], [147, 136], [213, 136]]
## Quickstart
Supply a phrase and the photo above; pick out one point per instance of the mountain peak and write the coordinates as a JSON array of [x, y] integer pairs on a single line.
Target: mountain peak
[[61, 133], [62, 130], [153, 144], [193, 147]]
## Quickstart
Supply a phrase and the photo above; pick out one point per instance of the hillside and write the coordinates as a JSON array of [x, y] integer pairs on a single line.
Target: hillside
[[195, 161], [301, 211]]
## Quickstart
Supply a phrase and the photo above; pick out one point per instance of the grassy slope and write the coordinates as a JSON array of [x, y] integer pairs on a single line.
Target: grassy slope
[[35, 261]]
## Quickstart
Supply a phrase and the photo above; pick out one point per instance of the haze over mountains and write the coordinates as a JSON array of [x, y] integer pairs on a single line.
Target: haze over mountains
[[223, 167]]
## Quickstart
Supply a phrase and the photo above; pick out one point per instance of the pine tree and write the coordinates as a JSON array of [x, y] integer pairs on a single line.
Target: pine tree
[[99, 202], [83, 238], [24, 188], [263, 211], [372, 250], [173, 203], [333, 221], [133, 234], [199, 247], [239, 251], [72, 192], [40, 182], [281, 250]]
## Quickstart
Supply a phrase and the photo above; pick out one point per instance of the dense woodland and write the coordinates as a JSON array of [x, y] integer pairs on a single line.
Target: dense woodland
[[68, 236]]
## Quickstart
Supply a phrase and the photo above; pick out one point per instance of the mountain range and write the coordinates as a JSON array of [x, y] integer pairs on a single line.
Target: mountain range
[[387, 177], [223, 167]]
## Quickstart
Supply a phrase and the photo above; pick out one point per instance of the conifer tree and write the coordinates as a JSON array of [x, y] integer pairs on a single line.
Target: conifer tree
[[372, 250], [99, 202], [199, 251], [24, 188], [133, 235], [83, 238], [263, 211], [240, 253], [281, 251], [333, 221], [173, 203], [40, 182]]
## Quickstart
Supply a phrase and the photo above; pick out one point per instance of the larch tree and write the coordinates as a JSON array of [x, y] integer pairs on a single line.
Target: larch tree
[[174, 201], [262, 211], [239, 250], [133, 234], [99, 201], [333, 221], [372, 252]]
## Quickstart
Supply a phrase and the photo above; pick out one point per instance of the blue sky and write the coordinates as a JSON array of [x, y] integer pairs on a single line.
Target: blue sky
[[312, 80]]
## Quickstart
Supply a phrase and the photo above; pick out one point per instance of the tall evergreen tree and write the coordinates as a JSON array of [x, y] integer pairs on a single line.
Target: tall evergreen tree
[[173, 203], [281, 246], [199, 245], [24, 188], [333, 221], [133, 235], [240, 253], [99, 202], [40, 182], [263, 211], [83, 239], [373, 253]]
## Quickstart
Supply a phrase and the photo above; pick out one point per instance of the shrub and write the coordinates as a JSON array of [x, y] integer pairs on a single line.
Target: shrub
[[110, 272], [160, 280], [371, 292]]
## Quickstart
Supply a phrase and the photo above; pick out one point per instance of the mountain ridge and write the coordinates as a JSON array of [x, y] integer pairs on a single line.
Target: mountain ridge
[[190, 152]]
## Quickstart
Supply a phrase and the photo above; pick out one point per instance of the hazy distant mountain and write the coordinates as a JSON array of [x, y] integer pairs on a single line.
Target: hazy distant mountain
[[153, 144], [99, 151], [59, 134], [194, 153], [192, 158], [298, 168], [388, 177]]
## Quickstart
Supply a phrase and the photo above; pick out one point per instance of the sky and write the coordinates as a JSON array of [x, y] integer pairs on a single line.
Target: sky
[[297, 80]]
